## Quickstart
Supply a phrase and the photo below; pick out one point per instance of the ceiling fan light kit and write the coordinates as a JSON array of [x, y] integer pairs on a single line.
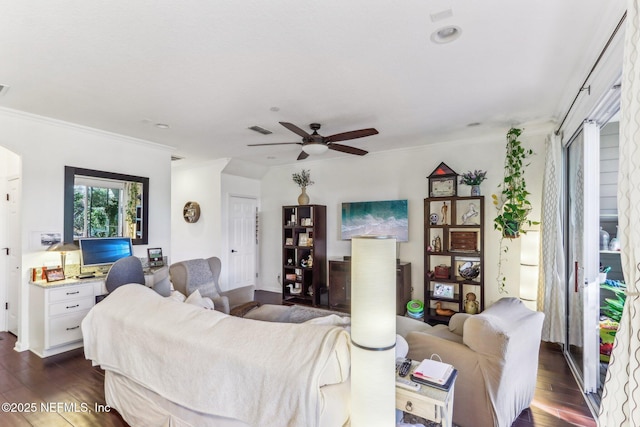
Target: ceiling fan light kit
[[315, 148], [315, 143]]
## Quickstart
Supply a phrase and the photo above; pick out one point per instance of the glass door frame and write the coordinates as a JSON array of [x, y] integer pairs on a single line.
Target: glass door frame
[[582, 271]]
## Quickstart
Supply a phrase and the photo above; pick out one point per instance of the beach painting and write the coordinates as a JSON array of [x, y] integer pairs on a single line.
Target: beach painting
[[385, 218]]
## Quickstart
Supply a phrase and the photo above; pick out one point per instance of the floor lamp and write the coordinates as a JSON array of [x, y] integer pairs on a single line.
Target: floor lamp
[[373, 330]]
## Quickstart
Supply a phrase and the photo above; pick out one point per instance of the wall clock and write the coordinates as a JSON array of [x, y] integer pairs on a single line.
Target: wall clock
[[191, 212]]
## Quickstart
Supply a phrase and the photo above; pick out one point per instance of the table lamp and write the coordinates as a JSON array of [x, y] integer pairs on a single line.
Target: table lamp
[[63, 248]]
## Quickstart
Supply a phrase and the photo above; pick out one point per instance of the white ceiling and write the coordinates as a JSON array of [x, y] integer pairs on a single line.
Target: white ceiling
[[212, 68]]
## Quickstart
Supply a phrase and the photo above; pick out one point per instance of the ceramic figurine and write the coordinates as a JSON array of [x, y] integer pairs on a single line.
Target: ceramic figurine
[[444, 210], [471, 306], [437, 244], [310, 261], [443, 311]]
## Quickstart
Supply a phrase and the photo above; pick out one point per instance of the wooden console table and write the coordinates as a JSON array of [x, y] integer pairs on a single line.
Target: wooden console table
[[340, 286]]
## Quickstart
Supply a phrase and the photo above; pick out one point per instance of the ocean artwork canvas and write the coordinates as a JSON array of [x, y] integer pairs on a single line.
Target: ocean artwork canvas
[[386, 218]]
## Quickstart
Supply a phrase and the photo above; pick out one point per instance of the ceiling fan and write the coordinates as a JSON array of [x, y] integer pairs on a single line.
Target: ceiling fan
[[315, 143]]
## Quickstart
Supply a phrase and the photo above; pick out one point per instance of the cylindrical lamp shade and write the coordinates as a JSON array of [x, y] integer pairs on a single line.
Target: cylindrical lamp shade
[[373, 331]]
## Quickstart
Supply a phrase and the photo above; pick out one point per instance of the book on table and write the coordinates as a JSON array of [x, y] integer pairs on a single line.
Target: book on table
[[434, 373]]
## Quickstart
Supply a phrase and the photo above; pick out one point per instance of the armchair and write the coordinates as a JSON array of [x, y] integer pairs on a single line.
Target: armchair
[[203, 275], [496, 354]]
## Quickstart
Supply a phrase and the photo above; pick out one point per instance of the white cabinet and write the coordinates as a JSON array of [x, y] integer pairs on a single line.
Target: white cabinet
[[57, 313]]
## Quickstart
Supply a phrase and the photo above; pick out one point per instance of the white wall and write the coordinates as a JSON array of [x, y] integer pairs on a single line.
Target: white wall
[[398, 175], [203, 184], [209, 185], [45, 147]]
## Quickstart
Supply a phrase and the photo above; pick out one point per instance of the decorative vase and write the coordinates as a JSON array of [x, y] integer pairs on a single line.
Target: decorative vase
[[475, 190], [303, 198]]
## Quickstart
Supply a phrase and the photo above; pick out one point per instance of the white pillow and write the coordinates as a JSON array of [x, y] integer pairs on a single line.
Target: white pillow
[[196, 299], [177, 296]]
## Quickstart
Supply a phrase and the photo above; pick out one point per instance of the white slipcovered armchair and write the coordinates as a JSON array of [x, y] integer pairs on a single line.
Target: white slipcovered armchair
[[203, 275], [496, 354]]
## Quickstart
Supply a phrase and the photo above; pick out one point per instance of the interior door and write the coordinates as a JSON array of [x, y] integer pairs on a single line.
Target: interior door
[[14, 258], [582, 233], [242, 241]]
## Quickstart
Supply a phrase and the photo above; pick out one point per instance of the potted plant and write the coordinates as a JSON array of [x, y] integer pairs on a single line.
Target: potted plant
[[473, 179], [513, 204], [303, 179]]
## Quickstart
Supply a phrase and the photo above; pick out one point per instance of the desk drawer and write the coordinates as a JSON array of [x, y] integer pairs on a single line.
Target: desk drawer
[[65, 329], [70, 292], [71, 306], [415, 403]]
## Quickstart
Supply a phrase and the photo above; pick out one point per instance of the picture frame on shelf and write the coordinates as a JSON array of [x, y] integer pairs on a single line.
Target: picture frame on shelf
[[443, 290], [288, 241], [54, 274], [303, 239], [155, 257]]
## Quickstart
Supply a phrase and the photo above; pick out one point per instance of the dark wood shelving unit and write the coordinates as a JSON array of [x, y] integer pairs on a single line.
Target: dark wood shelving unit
[[453, 235], [304, 235]]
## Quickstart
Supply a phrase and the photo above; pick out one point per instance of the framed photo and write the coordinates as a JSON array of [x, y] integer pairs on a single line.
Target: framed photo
[[54, 274], [443, 187], [41, 240], [442, 290], [155, 257], [288, 241], [303, 239]]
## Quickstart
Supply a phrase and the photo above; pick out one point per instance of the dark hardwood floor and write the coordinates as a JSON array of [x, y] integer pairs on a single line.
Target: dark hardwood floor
[[65, 390]]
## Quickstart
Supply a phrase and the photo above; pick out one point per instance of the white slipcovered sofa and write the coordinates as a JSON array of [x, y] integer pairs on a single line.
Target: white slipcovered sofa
[[173, 364], [496, 354]]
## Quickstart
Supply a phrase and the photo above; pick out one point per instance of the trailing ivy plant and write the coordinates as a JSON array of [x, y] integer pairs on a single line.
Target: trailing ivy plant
[[512, 205]]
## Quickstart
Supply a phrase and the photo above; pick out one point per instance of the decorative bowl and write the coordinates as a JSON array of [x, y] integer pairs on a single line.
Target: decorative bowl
[[469, 270]]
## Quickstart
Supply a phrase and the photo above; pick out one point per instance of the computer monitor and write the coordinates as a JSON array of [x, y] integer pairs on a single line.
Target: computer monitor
[[98, 252]]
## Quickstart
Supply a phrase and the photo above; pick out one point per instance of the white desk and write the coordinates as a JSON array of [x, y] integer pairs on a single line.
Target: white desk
[[57, 310], [429, 402]]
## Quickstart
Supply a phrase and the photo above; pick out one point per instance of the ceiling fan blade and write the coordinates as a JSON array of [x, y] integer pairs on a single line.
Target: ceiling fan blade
[[274, 143], [347, 149], [295, 129], [303, 155], [351, 135]]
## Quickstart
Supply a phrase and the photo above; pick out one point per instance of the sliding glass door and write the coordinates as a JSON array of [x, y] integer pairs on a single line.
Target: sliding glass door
[[582, 234]]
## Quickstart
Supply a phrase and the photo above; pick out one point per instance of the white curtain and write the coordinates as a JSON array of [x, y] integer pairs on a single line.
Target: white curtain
[[620, 404], [551, 291]]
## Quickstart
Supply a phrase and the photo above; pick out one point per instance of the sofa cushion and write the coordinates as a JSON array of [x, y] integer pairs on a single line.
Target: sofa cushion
[[196, 299]]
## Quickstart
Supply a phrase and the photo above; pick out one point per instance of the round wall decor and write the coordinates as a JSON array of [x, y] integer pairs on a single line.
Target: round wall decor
[[191, 212]]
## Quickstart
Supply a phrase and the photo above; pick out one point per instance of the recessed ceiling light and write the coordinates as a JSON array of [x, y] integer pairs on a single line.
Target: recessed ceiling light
[[271, 157], [446, 34], [474, 124], [274, 109], [162, 126]]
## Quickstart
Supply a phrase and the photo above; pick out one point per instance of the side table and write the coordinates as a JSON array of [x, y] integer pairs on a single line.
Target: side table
[[430, 403]]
